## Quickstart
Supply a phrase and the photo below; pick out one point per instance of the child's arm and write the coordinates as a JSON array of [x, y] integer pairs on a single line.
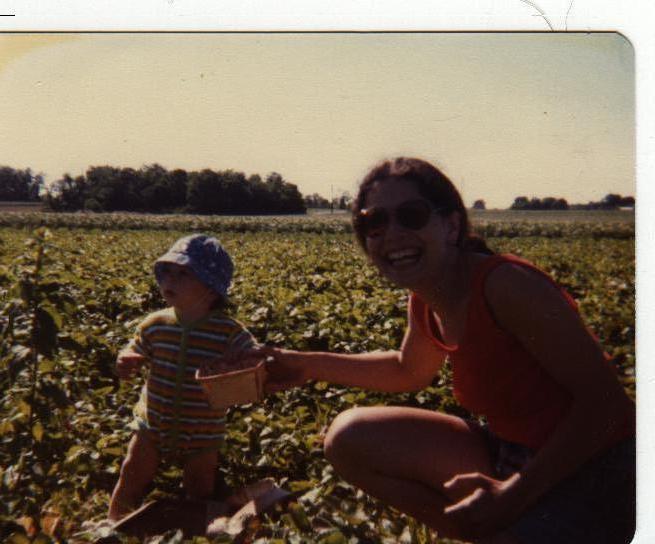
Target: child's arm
[[237, 354], [128, 363], [133, 356]]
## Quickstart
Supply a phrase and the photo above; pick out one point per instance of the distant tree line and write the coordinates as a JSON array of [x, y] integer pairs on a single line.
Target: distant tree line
[[548, 203], [154, 189], [19, 185], [609, 202]]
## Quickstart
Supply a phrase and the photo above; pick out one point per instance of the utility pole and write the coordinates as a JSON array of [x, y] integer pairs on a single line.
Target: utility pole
[[331, 198]]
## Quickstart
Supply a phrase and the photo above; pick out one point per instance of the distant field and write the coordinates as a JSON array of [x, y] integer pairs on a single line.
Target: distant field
[[491, 223], [627, 216], [20, 206]]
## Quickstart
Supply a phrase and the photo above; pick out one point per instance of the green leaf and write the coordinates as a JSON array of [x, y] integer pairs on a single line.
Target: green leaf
[[24, 408], [335, 537], [56, 317], [103, 391], [17, 538], [73, 342], [46, 333], [6, 427], [299, 517], [37, 431], [74, 453], [46, 365]]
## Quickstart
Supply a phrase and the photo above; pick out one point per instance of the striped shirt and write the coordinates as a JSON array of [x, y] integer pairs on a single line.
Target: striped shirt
[[173, 404]]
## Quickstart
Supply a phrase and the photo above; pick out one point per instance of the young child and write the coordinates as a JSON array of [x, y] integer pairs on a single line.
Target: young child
[[173, 419]]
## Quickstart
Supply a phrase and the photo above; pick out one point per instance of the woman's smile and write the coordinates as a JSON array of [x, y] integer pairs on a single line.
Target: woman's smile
[[401, 259]]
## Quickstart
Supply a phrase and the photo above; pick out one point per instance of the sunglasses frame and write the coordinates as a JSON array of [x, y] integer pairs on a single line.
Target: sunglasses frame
[[390, 215]]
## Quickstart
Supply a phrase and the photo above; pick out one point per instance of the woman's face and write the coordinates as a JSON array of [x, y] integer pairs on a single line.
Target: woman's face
[[403, 253]]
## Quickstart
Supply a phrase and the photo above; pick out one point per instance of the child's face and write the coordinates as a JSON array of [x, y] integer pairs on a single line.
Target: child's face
[[182, 289]]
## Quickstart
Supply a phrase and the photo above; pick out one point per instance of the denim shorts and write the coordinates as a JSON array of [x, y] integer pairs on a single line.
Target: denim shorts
[[595, 505]]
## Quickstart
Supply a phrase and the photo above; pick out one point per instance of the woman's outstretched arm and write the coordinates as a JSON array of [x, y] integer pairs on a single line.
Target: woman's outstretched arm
[[411, 368]]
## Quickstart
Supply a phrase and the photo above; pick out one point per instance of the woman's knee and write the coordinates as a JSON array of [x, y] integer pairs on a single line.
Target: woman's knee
[[345, 437]]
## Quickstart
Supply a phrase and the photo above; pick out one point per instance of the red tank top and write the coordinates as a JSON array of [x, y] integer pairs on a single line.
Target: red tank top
[[493, 374]]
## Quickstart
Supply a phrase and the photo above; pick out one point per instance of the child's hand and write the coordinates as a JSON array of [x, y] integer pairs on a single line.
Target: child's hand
[[128, 363]]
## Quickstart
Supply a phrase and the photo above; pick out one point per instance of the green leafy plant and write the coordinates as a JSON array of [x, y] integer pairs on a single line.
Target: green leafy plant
[[70, 298]]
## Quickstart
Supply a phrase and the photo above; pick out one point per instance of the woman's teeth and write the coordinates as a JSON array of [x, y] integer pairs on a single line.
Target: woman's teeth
[[403, 256]]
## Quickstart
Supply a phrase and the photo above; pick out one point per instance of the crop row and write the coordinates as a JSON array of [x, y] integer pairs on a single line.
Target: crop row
[[617, 224]]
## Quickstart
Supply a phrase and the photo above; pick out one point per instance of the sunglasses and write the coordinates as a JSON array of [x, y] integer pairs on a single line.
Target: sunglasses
[[413, 215]]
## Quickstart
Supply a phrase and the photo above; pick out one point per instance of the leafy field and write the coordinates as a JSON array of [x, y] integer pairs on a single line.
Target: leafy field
[[71, 296], [489, 223]]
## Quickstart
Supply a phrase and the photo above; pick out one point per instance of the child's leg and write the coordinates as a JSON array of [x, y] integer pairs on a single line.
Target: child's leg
[[200, 474], [138, 470]]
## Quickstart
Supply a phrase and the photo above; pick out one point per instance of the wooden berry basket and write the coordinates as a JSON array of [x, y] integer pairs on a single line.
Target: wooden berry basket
[[237, 387]]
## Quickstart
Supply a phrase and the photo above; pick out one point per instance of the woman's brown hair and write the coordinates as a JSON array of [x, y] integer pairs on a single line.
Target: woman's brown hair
[[433, 185]]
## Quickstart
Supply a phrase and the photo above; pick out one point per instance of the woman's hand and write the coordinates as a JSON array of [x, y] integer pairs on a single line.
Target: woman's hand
[[285, 368], [482, 505], [128, 363]]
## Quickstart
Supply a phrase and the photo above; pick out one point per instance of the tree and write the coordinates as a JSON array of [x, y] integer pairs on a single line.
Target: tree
[[479, 205], [342, 202], [261, 198], [67, 194], [153, 185], [547, 203], [236, 193], [112, 189], [611, 201], [561, 204], [203, 192], [178, 180], [286, 196], [520, 203], [19, 185], [316, 201], [627, 202], [534, 203]]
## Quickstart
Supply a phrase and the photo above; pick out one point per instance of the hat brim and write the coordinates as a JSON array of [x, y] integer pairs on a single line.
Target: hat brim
[[174, 258]]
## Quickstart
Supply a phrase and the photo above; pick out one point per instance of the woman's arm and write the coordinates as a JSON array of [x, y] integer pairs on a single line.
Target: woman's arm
[[410, 369], [554, 333]]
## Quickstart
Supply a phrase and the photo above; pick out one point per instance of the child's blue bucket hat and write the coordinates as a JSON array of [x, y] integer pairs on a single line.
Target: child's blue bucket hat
[[205, 256]]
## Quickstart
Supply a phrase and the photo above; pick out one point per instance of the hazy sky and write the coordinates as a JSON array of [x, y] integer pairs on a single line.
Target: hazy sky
[[504, 114]]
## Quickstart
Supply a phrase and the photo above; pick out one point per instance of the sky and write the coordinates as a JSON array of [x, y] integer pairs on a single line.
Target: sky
[[503, 114]]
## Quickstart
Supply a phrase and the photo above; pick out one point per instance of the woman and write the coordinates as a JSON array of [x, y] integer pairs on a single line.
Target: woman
[[555, 463]]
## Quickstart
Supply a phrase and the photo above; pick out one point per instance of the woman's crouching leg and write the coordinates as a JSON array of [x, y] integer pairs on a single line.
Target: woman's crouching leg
[[402, 456]]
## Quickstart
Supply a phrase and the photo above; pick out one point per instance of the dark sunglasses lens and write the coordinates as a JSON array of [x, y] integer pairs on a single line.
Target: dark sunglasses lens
[[375, 222], [414, 215]]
